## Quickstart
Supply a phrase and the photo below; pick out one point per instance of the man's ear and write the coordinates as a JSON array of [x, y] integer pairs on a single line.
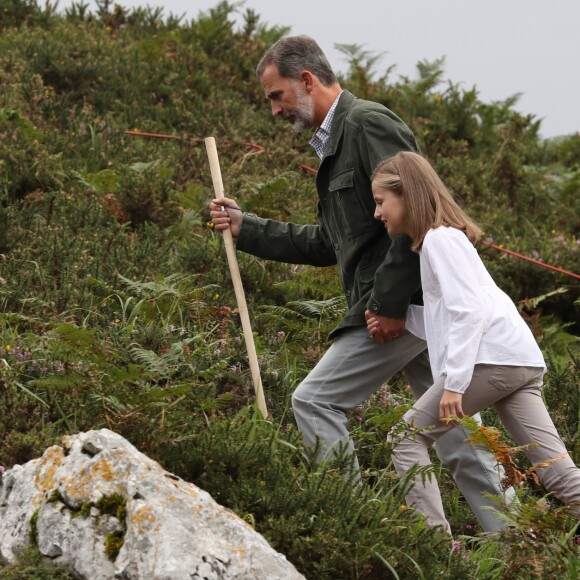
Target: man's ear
[[308, 79]]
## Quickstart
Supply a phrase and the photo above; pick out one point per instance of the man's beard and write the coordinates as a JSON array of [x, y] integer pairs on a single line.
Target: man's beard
[[303, 114]]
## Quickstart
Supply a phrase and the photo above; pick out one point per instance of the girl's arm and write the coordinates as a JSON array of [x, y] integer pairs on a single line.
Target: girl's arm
[[454, 263]]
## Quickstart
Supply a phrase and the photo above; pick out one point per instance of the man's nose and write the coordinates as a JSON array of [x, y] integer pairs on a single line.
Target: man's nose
[[277, 109]]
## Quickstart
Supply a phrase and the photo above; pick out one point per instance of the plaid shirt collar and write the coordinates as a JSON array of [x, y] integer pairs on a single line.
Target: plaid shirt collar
[[321, 136]]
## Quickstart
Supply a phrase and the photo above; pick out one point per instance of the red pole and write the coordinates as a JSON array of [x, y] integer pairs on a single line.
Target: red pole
[[314, 171], [537, 262]]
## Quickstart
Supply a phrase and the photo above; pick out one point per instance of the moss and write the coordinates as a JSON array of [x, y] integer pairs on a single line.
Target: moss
[[33, 533], [84, 511], [113, 543], [113, 505]]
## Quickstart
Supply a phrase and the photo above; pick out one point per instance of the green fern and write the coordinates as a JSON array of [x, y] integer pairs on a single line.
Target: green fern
[[162, 366], [333, 308]]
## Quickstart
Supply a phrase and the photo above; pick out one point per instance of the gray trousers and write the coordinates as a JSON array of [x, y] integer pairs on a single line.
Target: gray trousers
[[515, 393], [350, 371]]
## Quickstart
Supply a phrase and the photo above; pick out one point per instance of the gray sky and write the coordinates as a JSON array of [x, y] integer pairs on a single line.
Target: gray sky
[[502, 47]]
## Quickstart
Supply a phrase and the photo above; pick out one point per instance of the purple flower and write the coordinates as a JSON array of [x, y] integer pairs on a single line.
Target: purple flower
[[1, 469]]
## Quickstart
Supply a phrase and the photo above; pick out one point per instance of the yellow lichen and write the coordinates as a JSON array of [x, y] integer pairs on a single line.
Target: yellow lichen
[[104, 469], [82, 485], [44, 479], [143, 519]]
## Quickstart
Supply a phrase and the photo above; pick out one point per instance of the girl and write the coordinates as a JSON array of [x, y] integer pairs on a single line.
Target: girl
[[481, 350]]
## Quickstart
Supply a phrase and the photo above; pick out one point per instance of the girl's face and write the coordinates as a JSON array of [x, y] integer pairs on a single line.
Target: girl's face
[[390, 210]]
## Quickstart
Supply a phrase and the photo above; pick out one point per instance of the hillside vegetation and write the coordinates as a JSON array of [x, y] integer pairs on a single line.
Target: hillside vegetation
[[117, 311]]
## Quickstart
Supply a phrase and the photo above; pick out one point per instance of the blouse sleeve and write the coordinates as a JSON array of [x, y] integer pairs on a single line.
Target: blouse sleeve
[[453, 261]]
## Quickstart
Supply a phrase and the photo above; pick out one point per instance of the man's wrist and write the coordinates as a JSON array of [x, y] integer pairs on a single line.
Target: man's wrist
[[385, 309]]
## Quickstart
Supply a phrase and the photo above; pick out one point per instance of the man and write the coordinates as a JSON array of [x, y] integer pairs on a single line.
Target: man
[[379, 275]]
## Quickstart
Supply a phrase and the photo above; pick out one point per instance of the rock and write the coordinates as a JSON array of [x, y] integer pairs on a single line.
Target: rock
[[104, 510]]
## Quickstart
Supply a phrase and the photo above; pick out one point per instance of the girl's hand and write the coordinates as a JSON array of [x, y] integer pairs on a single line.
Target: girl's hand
[[382, 329], [374, 328], [450, 405]]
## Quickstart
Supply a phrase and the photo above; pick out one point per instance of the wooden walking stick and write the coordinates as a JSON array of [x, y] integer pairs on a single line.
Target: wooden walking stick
[[216, 176]]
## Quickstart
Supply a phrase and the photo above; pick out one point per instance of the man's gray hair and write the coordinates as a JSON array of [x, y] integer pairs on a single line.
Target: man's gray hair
[[294, 54]]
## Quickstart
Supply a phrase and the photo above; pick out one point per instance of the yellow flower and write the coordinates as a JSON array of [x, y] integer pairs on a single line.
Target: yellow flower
[[69, 197], [403, 507], [216, 296], [553, 232], [8, 347], [117, 321], [437, 98], [209, 224]]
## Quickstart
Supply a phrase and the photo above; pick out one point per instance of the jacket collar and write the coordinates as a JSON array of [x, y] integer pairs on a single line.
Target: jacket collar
[[344, 104]]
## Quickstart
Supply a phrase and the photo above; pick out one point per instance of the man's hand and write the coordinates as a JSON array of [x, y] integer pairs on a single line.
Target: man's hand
[[382, 329], [450, 405], [225, 214]]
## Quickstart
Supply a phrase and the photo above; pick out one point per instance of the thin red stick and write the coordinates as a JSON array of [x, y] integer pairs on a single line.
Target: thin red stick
[[314, 171], [537, 262], [192, 139]]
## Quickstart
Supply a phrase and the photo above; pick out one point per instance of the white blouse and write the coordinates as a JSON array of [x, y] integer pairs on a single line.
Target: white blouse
[[467, 319]]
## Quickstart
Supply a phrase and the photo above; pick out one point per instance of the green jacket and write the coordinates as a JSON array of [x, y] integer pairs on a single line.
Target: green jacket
[[376, 272]]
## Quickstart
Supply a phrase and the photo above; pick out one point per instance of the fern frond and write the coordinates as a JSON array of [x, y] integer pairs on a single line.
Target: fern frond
[[333, 307], [282, 312], [150, 360]]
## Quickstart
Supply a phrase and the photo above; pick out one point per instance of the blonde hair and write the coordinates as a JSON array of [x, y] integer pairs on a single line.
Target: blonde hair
[[428, 203]]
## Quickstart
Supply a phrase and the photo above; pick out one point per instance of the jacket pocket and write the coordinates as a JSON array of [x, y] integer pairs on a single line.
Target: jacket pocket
[[364, 279], [350, 212]]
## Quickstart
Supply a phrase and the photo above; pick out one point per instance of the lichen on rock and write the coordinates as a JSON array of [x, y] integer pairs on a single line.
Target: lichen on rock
[[102, 509]]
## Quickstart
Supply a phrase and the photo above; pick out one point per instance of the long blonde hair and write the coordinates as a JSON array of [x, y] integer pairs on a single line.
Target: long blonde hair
[[428, 203]]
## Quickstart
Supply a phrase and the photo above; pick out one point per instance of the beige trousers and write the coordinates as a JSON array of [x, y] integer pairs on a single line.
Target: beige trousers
[[515, 393], [352, 369]]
